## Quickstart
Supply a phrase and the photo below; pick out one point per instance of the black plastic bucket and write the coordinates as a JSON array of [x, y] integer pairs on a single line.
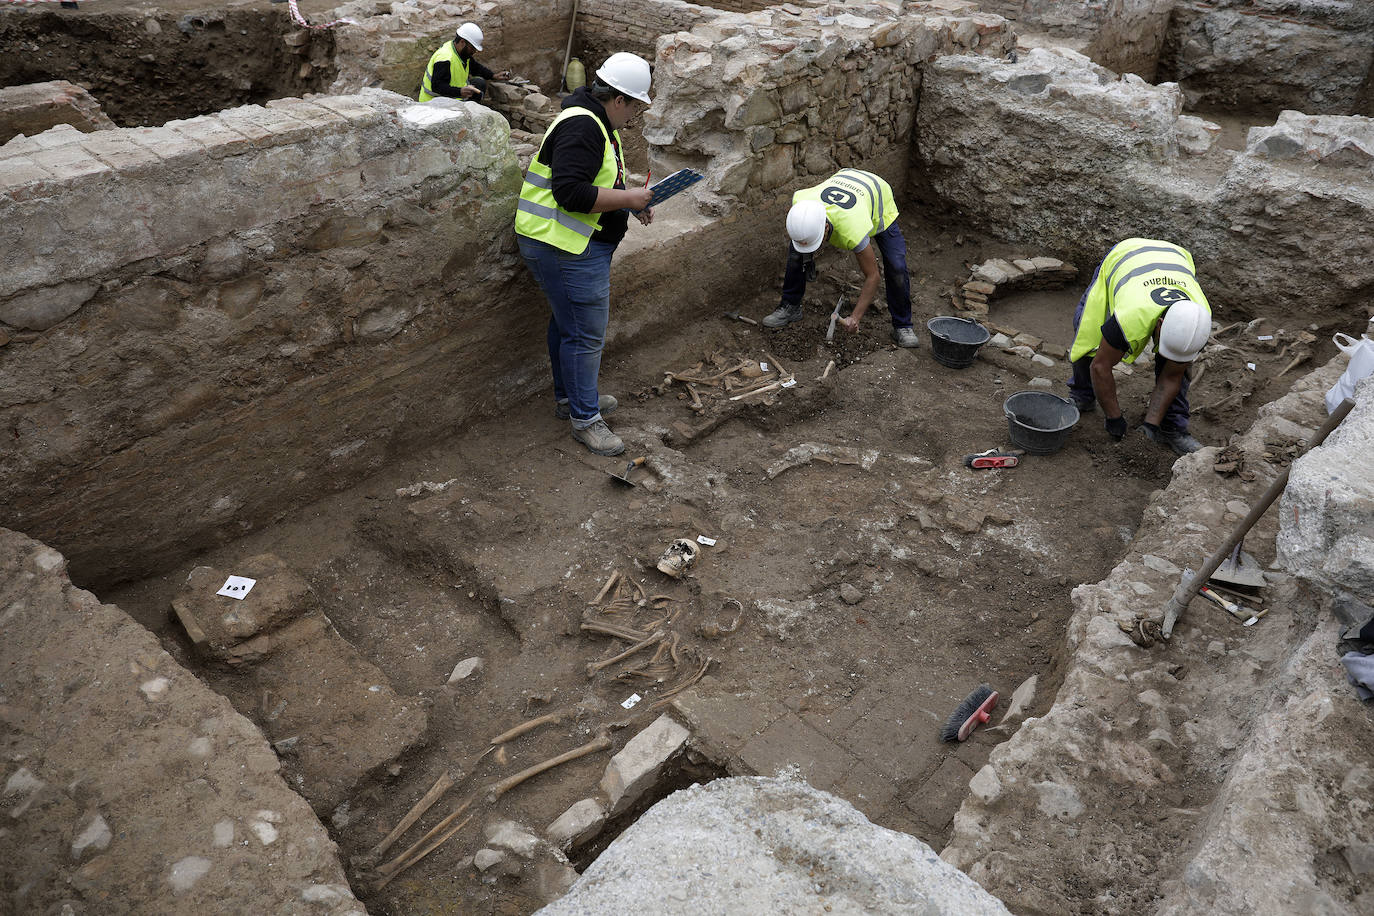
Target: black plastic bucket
[[1038, 421], [954, 342]]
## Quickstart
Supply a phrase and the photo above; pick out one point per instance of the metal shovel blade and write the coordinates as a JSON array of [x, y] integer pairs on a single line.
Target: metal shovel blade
[[1239, 569]]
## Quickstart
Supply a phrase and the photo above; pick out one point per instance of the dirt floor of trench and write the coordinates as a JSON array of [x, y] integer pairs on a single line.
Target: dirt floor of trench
[[962, 577]]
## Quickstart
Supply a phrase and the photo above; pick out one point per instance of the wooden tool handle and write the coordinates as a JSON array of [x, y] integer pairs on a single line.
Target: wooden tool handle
[[636, 463]]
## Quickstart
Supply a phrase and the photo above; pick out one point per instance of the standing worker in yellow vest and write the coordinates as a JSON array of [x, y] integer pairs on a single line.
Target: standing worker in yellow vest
[[849, 208], [1143, 290], [452, 71], [573, 211]]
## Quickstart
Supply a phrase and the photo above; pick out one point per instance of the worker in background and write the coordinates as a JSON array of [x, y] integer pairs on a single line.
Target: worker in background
[[573, 211], [454, 73], [850, 209], [1143, 290]]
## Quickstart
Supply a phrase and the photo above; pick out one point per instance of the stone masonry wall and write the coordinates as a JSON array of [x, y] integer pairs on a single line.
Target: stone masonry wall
[[203, 324], [769, 102], [389, 50], [1059, 153], [33, 108], [607, 26]]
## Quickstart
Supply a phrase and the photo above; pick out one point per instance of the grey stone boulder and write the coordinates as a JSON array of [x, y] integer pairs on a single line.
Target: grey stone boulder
[[765, 845]]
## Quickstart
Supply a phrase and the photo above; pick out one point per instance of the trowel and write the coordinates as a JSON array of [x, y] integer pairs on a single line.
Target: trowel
[[834, 317], [624, 476]]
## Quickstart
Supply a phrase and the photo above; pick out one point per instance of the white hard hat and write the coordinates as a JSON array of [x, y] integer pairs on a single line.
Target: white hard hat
[[626, 73], [806, 225], [1184, 331], [471, 34]]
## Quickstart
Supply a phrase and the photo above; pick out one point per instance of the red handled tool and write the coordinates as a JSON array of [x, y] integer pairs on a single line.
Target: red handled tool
[[992, 458]]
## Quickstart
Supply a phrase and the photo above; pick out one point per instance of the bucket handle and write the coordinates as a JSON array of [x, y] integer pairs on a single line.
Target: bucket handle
[[1012, 416], [1348, 347]]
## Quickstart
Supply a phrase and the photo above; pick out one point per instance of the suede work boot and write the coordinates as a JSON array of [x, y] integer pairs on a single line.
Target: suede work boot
[[604, 403], [599, 439], [783, 316], [905, 337]]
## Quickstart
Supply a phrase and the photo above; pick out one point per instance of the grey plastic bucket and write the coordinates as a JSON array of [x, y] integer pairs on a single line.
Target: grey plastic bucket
[[954, 342], [1038, 421]]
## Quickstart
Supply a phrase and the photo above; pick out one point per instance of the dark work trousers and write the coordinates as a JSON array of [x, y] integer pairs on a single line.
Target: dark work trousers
[[1081, 383], [896, 280]]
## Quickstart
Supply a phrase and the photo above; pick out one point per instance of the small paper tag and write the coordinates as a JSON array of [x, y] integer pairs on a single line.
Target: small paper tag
[[763, 367], [237, 587], [631, 700], [1265, 337], [790, 383], [703, 539], [1250, 366]]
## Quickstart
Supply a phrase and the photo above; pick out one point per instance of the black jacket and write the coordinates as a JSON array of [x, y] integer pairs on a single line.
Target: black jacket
[[574, 152], [441, 79]]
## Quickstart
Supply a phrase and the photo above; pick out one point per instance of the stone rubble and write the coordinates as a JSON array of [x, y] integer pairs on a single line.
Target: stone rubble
[[636, 768]]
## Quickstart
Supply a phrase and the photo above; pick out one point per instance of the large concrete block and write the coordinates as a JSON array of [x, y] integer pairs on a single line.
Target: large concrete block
[[762, 845], [636, 768]]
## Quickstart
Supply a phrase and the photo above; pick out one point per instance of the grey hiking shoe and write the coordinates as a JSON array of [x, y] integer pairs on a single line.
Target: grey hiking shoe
[[599, 439], [905, 337], [1180, 442], [783, 315], [604, 403]]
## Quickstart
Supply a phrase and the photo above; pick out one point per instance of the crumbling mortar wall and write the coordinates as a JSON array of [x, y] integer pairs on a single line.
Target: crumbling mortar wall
[[772, 101], [1312, 56], [281, 285], [1059, 153], [34, 108]]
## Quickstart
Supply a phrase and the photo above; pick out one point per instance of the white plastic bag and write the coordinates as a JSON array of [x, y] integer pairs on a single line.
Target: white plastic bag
[[1361, 353]]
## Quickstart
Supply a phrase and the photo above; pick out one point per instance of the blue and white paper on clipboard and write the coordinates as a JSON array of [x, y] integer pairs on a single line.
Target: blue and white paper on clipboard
[[680, 180]]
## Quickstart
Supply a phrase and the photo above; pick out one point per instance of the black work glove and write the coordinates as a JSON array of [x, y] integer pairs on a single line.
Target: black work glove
[[809, 267], [1116, 427], [1154, 433]]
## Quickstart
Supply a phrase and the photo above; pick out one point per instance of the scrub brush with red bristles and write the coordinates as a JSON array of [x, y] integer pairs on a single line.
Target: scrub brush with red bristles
[[973, 712]]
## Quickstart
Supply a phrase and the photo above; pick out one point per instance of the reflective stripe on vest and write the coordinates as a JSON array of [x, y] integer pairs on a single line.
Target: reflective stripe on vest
[[538, 215], [1128, 286], [457, 70], [858, 205]]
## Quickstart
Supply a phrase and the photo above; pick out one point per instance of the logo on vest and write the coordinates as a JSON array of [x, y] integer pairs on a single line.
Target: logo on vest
[[1167, 295], [838, 197]]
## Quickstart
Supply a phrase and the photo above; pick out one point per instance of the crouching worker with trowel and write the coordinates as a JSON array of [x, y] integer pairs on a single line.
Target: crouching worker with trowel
[[573, 212], [850, 209], [1144, 290]]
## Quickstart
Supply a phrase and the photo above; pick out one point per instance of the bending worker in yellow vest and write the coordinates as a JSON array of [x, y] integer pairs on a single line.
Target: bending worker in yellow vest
[[452, 71], [850, 209], [1144, 290], [573, 212]]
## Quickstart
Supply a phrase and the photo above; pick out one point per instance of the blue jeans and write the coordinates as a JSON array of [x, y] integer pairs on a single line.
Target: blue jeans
[[578, 287], [1081, 382], [896, 279]]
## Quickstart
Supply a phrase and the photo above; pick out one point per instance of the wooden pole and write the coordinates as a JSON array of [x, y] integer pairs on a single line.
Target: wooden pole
[[1188, 588]]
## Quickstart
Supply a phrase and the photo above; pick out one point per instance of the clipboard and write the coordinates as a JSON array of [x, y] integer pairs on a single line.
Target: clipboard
[[675, 183]]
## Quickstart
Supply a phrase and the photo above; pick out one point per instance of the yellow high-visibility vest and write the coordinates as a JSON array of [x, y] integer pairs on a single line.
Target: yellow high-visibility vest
[[457, 70], [538, 215], [858, 205], [1138, 280]]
